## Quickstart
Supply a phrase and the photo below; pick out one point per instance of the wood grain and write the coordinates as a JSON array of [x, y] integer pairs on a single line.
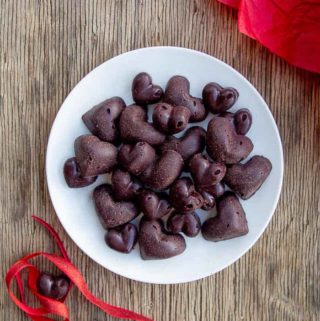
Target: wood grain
[[46, 47]]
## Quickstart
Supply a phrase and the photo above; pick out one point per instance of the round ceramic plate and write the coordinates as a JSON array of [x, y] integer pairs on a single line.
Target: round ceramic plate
[[75, 207]]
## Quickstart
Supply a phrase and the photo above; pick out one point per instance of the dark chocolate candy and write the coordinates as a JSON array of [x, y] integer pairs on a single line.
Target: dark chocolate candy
[[122, 239], [177, 94], [246, 179], [230, 221], [156, 243], [110, 212]]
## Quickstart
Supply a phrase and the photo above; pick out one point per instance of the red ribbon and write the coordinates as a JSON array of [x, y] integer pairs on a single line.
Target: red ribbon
[[51, 306]]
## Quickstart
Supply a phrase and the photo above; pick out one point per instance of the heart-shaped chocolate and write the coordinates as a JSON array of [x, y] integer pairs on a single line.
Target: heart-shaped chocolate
[[153, 205], [122, 239], [189, 224], [230, 221], [156, 243], [110, 212], [242, 120], [134, 127], [73, 176], [184, 197], [136, 158], [206, 173], [55, 287], [246, 179], [102, 120], [169, 119], [125, 187], [163, 172], [177, 93], [94, 157], [224, 145], [192, 142], [144, 92], [218, 99]]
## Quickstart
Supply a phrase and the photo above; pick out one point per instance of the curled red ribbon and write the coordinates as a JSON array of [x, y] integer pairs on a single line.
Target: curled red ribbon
[[51, 306]]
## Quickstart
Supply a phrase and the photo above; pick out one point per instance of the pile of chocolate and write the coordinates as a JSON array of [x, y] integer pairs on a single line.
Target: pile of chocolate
[[147, 162]]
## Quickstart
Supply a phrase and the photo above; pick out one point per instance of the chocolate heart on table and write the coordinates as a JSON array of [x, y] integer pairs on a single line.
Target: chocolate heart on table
[[230, 221], [110, 212], [169, 119], [55, 287], [134, 127], [144, 92], [163, 172], [192, 142], [246, 179], [125, 187], [224, 145], [94, 157], [241, 120], [153, 205], [189, 224], [102, 120], [184, 197], [73, 176], [136, 158], [156, 243], [122, 239], [205, 172], [218, 99], [177, 93]]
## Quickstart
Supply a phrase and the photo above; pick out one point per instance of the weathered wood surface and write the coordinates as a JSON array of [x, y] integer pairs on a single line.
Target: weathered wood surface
[[46, 47]]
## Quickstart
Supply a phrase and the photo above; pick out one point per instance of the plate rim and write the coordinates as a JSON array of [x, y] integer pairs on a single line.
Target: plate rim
[[243, 78]]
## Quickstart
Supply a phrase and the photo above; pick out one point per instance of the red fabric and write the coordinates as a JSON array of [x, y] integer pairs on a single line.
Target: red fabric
[[290, 29], [51, 306]]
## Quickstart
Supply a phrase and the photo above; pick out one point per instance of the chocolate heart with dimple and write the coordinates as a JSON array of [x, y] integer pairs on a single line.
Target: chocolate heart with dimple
[[242, 120], [246, 179], [156, 243], [224, 145], [230, 221], [184, 197], [102, 120], [205, 172], [218, 99], [94, 157], [125, 187], [189, 224], [192, 142], [177, 93], [110, 212], [136, 158], [122, 239], [169, 119], [154, 205], [144, 92], [55, 287]]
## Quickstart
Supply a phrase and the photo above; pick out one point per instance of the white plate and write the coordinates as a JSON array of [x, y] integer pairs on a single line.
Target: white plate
[[75, 208]]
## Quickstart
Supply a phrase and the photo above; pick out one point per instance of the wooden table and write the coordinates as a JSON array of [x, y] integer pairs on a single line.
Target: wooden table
[[48, 46]]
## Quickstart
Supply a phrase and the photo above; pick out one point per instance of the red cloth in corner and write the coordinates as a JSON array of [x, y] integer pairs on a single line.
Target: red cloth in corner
[[289, 28]]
